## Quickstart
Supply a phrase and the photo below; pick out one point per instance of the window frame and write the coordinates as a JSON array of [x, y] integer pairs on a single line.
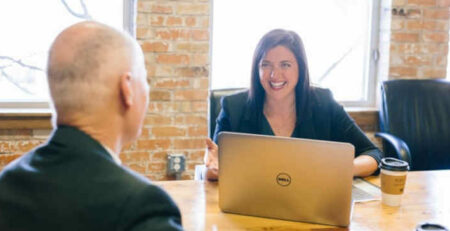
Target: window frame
[[129, 25]]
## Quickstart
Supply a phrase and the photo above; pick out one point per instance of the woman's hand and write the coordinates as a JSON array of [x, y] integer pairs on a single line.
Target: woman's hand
[[212, 160]]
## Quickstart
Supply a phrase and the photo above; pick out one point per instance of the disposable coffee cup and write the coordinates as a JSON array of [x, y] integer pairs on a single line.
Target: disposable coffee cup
[[393, 178]]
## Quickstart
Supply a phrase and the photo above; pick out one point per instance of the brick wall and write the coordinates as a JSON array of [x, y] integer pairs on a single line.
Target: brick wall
[[175, 38], [419, 39]]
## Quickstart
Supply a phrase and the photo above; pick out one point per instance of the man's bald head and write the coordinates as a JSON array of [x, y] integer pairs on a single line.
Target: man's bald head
[[84, 66]]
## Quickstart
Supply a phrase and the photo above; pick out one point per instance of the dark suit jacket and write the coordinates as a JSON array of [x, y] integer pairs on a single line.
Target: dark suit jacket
[[72, 183], [324, 119]]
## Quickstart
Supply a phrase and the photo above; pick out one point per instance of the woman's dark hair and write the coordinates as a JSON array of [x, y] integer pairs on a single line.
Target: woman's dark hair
[[293, 42]]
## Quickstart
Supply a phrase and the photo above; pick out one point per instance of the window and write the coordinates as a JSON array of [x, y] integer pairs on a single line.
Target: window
[[339, 38], [28, 29]]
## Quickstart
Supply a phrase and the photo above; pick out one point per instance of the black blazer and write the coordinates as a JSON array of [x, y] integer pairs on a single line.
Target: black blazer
[[324, 119], [72, 183]]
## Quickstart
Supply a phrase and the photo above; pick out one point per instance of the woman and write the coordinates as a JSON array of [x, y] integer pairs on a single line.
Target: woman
[[281, 102]]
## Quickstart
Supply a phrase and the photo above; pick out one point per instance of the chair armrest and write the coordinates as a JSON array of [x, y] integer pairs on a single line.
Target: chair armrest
[[400, 147]]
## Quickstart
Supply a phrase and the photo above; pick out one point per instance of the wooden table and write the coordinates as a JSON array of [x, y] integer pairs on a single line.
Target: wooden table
[[426, 198]]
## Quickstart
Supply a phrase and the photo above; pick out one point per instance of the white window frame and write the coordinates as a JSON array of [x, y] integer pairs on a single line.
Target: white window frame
[[374, 56], [129, 25]]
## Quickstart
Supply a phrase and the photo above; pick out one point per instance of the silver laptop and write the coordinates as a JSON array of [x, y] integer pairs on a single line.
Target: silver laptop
[[286, 178]]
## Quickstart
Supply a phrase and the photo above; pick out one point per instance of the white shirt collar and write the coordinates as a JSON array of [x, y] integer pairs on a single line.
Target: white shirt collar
[[113, 155]]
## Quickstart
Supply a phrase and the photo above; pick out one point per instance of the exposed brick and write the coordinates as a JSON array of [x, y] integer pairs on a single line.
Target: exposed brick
[[164, 70], [199, 59], [441, 60], [440, 37], [168, 131], [173, 59], [155, 46], [204, 23], [162, 107], [143, 33], [159, 156], [198, 131], [129, 147], [139, 168], [442, 13], [191, 119], [156, 20], [160, 95], [405, 37], [161, 9], [190, 21], [156, 167], [152, 7], [173, 34], [413, 13], [174, 21], [153, 144], [443, 3], [398, 2], [200, 106], [141, 19], [402, 71], [427, 25], [200, 35], [191, 94], [397, 24], [416, 48], [171, 83], [145, 133], [201, 83], [434, 72], [184, 106], [135, 156], [422, 2], [191, 47], [157, 120], [150, 71], [197, 156], [189, 144], [417, 60], [198, 71], [193, 9]]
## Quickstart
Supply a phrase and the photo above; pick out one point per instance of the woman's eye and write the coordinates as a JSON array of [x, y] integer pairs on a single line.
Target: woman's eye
[[264, 65], [285, 65]]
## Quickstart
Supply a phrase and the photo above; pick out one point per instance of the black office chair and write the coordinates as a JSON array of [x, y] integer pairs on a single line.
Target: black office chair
[[215, 97], [415, 122]]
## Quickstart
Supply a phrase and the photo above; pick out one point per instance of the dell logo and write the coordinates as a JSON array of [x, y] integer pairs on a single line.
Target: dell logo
[[283, 179]]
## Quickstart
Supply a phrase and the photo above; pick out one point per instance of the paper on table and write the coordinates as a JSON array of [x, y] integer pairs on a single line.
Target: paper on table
[[363, 191]]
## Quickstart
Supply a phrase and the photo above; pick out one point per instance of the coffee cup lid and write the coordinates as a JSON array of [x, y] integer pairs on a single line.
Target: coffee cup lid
[[393, 164]]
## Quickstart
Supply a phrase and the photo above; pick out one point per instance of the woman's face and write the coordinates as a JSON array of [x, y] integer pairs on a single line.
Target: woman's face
[[278, 73]]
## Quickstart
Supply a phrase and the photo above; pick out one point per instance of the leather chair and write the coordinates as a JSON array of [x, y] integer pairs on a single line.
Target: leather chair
[[215, 98], [415, 122]]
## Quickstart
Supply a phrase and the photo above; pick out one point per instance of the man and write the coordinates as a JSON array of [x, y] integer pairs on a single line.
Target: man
[[75, 181]]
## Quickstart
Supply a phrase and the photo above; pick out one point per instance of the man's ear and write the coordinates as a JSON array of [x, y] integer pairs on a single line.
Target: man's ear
[[126, 91]]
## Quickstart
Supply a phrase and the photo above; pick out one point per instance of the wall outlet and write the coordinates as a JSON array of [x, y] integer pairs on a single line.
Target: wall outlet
[[176, 164]]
